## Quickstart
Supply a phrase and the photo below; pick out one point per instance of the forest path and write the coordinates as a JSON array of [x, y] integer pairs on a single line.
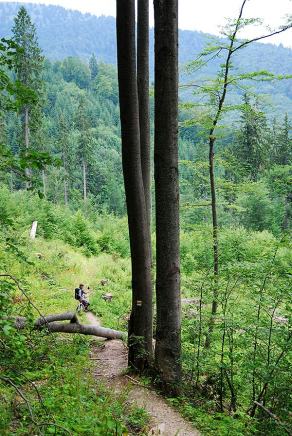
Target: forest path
[[111, 365]]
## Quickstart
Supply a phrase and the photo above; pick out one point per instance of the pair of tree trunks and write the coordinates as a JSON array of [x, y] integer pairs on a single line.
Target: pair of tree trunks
[[140, 323], [134, 110]]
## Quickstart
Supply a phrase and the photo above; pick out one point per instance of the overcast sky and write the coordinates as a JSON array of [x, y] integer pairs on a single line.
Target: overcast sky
[[204, 15]]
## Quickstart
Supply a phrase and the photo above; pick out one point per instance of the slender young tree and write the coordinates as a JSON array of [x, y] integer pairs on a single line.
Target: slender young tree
[[168, 330], [143, 96], [140, 324], [217, 92], [28, 66]]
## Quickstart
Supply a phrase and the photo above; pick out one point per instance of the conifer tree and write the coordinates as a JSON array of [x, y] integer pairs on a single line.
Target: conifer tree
[[252, 148], [28, 67], [93, 66], [283, 152]]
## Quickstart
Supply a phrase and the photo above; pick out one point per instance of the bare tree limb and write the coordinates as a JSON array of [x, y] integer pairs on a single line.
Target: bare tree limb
[[273, 416], [33, 420], [259, 38], [16, 281], [21, 394]]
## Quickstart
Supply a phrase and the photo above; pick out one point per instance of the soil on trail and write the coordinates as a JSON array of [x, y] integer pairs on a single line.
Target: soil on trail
[[110, 367]]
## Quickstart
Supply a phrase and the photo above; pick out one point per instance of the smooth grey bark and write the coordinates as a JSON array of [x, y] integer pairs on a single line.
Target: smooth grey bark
[[58, 327], [168, 330], [21, 322], [66, 316], [143, 97], [49, 322], [140, 324]]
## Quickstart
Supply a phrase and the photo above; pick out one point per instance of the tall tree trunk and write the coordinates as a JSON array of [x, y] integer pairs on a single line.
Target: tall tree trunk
[[287, 208], [26, 144], [168, 331], [140, 324], [44, 183], [11, 181], [65, 177], [215, 240], [66, 192], [143, 96], [84, 180], [212, 140]]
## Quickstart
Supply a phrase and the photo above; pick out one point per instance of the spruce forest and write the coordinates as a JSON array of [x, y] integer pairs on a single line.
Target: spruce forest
[[145, 213]]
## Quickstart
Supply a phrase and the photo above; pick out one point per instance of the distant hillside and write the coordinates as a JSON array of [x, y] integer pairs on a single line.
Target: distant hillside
[[65, 33]]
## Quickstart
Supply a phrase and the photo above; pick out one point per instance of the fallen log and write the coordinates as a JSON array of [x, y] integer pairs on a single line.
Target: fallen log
[[74, 326], [20, 322], [67, 316], [85, 330]]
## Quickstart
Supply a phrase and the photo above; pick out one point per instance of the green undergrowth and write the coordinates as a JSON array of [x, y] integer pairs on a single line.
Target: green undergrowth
[[64, 396], [60, 268], [47, 383], [255, 268]]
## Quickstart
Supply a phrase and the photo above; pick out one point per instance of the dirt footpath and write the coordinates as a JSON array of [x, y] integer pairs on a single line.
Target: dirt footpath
[[110, 367]]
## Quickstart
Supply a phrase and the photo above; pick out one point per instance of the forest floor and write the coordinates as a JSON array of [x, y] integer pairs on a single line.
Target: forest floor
[[110, 367]]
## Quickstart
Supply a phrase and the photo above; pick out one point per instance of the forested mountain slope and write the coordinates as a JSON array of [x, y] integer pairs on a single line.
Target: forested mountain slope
[[65, 33]]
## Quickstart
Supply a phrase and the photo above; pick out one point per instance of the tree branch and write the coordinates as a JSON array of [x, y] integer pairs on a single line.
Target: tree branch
[[259, 38], [23, 292], [21, 394], [272, 415], [19, 391]]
